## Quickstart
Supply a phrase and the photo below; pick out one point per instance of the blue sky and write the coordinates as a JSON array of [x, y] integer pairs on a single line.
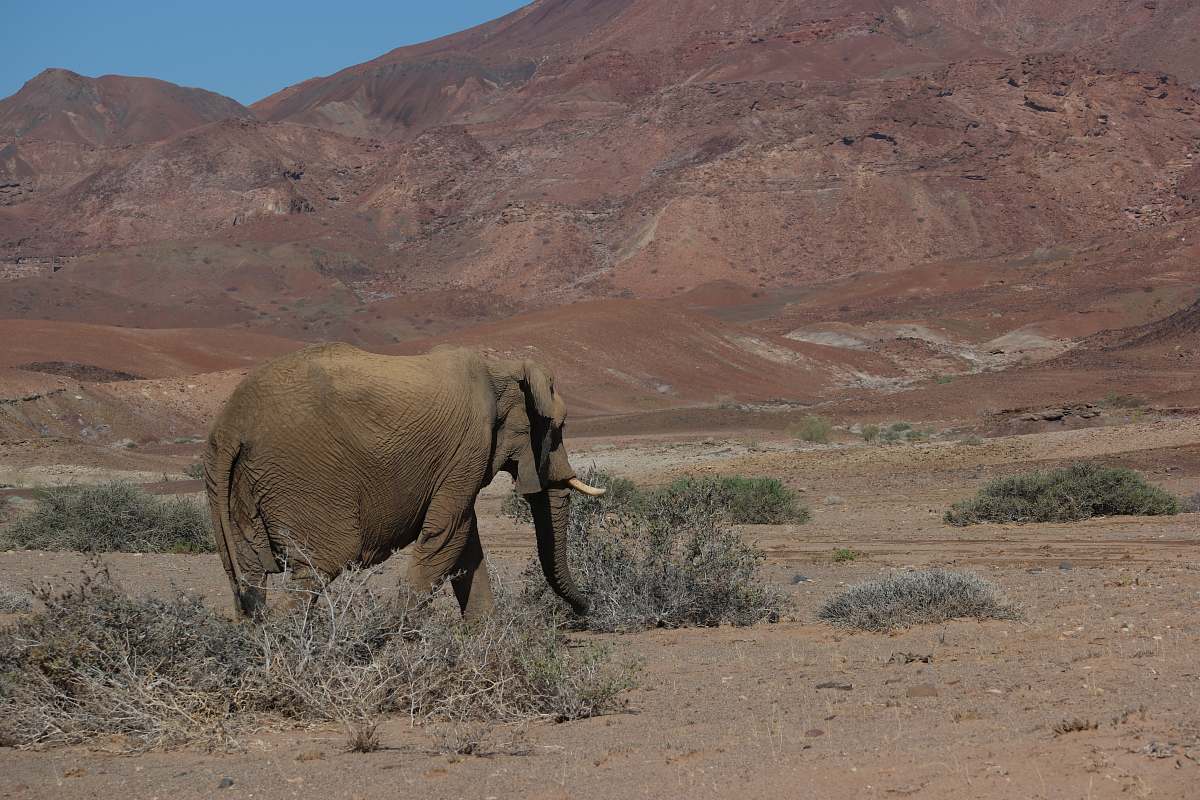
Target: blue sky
[[245, 50]]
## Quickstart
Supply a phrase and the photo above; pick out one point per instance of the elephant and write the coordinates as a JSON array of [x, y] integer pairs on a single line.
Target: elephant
[[332, 456]]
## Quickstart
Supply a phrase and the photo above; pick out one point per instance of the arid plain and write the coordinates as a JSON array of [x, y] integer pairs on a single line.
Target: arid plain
[[979, 219]]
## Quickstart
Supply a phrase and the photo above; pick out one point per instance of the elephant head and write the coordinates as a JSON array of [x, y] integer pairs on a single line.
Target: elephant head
[[529, 446]]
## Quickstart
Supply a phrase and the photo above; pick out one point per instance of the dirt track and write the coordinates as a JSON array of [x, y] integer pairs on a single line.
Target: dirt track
[[1110, 637]]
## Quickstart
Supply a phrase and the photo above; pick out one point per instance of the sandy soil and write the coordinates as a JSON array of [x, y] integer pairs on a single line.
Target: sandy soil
[[1110, 637]]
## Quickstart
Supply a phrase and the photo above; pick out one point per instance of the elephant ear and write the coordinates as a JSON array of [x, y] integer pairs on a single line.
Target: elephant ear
[[539, 388], [533, 463]]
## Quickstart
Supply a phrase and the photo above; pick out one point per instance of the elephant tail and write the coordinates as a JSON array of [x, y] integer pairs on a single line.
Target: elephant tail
[[238, 528]]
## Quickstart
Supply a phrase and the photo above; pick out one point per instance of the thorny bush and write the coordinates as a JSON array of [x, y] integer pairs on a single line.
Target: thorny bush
[[98, 662], [669, 560]]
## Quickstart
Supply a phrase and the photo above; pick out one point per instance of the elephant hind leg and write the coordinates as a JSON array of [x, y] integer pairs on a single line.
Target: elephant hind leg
[[251, 559], [306, 585], [249, 593]]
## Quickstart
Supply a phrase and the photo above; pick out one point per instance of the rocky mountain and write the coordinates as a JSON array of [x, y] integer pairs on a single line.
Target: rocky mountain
[[776, 164], [63, 106], [560, 59]]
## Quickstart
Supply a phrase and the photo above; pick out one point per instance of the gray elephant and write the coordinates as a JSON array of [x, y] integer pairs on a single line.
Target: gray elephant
[[333, 456]]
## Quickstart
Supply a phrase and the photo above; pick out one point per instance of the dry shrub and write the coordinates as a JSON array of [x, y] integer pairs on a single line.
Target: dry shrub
[[620, 494], [743, 501], [902, 432], [481, 740], [1080, 491], [101, 663], [14, 601], [672, 560], [813, 429], [1076, 725], [915, 598], [107, 517]]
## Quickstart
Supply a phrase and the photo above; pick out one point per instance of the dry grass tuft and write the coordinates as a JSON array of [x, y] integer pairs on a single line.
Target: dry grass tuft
[[14, 601], [362, 737], [904, 599], [110, 517], [1073, 726]]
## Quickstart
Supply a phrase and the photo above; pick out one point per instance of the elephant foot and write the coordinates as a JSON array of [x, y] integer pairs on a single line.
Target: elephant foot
[[249, 597]]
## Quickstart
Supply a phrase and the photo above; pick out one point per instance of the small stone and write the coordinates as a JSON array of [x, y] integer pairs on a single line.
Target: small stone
[[921, 691], [845, 687], [833, 500], [814, 732], [798, 578], [225, 783], [1065, 566]]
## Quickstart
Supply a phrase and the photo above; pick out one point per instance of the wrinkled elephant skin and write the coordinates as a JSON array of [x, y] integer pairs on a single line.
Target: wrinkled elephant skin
[[332, 456]]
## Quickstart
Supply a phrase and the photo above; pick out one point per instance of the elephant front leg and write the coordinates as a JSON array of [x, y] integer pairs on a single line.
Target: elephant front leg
[[470, 579], [452, 551]]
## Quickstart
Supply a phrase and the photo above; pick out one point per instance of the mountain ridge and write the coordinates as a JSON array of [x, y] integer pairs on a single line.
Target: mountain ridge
[[109, 110]]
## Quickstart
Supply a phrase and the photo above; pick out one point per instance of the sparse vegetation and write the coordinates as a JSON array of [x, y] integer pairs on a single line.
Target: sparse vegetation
[[905, 599], [620, 494], [114, 516], [1191, 505], [195, 471], [670, 560], [813, 429], [726, 402], [14, 601], [1114, 400], [744, 501], [899, 432], [481, 740], [844, 554], [870, 433], [1077, 492], [1073, 726], [98, 662]]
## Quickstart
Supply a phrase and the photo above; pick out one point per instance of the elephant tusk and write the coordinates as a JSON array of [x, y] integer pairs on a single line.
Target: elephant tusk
[[583, 488]]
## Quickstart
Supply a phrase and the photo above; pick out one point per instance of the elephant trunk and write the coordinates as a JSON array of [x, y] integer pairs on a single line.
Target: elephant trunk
[[551, 512]]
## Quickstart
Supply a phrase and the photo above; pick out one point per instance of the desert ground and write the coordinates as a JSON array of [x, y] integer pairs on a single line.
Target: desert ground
[[1109, 643]]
